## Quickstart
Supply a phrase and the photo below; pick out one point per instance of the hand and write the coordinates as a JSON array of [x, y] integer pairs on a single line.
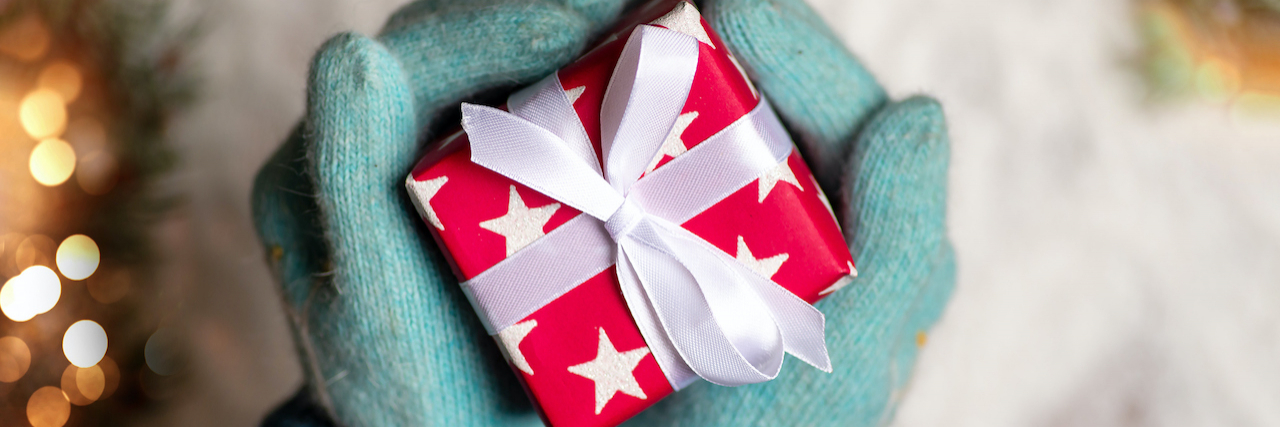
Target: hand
[[386, 335]]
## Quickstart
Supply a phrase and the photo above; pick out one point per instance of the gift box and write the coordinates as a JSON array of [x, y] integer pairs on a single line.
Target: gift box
[[635, 222]]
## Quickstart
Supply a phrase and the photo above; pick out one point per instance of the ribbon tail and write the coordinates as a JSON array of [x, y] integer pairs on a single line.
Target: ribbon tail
[[546, 105], [716, 323], [678, 373], [803, 326]]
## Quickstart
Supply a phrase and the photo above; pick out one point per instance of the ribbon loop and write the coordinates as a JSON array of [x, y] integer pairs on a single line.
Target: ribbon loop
[[545, 104], [537, 158], [701, 312], [648, 89]]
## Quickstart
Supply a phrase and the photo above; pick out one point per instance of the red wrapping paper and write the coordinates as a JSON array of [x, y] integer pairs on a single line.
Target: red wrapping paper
[[780, 224]]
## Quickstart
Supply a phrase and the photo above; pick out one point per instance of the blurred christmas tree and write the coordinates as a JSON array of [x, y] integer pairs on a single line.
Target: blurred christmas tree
[[1225, 51], [87, 88]]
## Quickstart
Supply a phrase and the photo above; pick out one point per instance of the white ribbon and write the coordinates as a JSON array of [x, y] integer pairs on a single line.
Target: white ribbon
[[702, 313]]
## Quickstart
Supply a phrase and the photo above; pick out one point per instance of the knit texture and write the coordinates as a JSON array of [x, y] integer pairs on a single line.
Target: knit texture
[[898, 182], [385, 334]]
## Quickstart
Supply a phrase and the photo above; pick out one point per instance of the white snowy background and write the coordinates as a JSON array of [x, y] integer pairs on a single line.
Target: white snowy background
[[1119, 261]]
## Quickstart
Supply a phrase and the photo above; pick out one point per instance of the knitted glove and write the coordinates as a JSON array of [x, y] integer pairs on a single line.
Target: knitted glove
[[386, 335]]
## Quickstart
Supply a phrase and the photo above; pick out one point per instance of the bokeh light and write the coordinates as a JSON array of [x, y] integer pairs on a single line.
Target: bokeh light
[[109, 285], [83, 385], [91, 382], [48, 407], [71, 389], [86, 134], [52, 162], [78, 257], [85, 343], [161, 352], [33, 292], [111, 376], [43, 113], [36, 249], [11, 302], [1217, 80], [96, 166], [61, 77], [9, 242], [96, 172], [43, 287], [15, 359], [8, 252], [26, 39]]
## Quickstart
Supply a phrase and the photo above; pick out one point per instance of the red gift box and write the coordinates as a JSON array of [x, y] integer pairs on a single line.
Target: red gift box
[[582, 356]]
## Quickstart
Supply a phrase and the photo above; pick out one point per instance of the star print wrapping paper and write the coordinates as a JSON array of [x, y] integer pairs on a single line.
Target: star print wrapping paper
[[582, 357]]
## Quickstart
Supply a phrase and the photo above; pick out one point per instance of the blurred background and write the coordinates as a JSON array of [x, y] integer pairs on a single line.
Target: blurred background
[[1115, 205]]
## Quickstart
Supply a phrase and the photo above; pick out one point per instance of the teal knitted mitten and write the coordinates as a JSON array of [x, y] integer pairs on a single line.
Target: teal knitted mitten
[[385, 334]]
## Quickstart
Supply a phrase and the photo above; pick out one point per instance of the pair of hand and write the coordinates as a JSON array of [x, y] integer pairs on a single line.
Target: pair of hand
[[387, 337]]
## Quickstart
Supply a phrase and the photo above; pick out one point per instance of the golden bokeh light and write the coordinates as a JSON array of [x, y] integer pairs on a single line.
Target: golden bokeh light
[[26, 39], [71, 389], [96, 172], [43, 113], [84, 343], [86, 134], [111, 375], [36, 249], [78, 257], [11, 303], [91, 382], [33, 292], [83, 385], [109, 285], [9, 243], [1217, 79], [10, 126], [15, 359], [8, 252], [52, 162], [96, 166], [43, 288], [61, 77], [48, 407]]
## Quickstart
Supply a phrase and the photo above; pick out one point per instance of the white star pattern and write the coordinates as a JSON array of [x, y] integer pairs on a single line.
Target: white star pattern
[[673, 146], [521, 225], [783, 173], [425, 190], [685, 19], [574, 94], [844, 281], [767, 267], [612, 371], [511, 338]]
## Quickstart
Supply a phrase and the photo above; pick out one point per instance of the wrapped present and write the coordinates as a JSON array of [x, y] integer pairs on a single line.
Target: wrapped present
[[635, 222]]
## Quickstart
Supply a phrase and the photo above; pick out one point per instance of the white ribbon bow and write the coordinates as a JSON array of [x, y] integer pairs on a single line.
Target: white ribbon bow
[[702, 313]]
